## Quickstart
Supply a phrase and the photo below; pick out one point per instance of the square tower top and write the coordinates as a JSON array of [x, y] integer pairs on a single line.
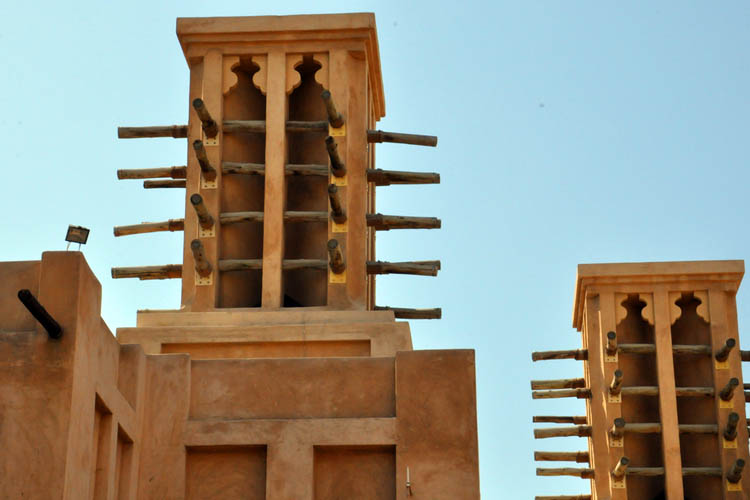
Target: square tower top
[[355, 32]]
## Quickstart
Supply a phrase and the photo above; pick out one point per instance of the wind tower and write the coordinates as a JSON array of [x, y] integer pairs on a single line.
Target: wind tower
[[278, 378], [662, 382], [278, 269]]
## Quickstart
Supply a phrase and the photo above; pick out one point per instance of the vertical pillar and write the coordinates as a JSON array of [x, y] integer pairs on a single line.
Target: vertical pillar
[[275, 181], [290, 470], [206, 294], [670, 434], [597, 415], [357, 167], [720, 332]]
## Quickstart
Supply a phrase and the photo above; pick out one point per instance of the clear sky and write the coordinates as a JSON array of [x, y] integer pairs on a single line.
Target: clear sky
[[570, 132]]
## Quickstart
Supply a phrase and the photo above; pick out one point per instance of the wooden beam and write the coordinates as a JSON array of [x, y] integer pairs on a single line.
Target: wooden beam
[[335, 256], [578, 354], [150, 227], [244, 127], [387, 222], [408, 313], [334, 117], [337, 209], [307, 169], [306, 126], [418, 268], [163, 184], [150, 173], [387, 177], [207, 123], [231, 167], [413, 139], [581, 457], [566, 471], [176, 131], [338, 168], [553, 432], [563, 383], [545, 419], [202, 266], [287, 264], [169, 271], [562, 393]]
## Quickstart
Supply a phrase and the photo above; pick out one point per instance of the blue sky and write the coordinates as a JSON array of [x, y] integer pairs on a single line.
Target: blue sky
[[570, 132]]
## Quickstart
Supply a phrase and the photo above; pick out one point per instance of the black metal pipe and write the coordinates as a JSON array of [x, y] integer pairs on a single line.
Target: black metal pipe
[[54, 330]]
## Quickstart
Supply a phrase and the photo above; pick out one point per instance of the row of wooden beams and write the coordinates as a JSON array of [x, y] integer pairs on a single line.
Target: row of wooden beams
[[582, 354], [379, 221], [259, 127], [171, 271], [378, 176], [631, 471]]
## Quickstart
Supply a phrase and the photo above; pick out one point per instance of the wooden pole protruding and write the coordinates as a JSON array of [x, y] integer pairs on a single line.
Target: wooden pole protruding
[[210, 128], [418, 268], [734, 475], [727, 392], [337, 210], [387, 177], [413, 139], [409, 313], [621, 468], [151, 173], [176, 131], [244, 126], [562, 393], [151, 227], [745, 355], [204, 218], [169, 271], [578, 355], [553, 432], [730, 430], [257, 264], [338, 169], [335, 118], [53, 328], [202, 265], [564, 383], [611, 348], [554, 419], [581, 457], [565, 471], [164, 184], [209, 172], [563, 497], [618, 428], [723, 353], [387, 222], [232, 167], [306, 126], [335, 257], [655, 428], [616, 385]]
